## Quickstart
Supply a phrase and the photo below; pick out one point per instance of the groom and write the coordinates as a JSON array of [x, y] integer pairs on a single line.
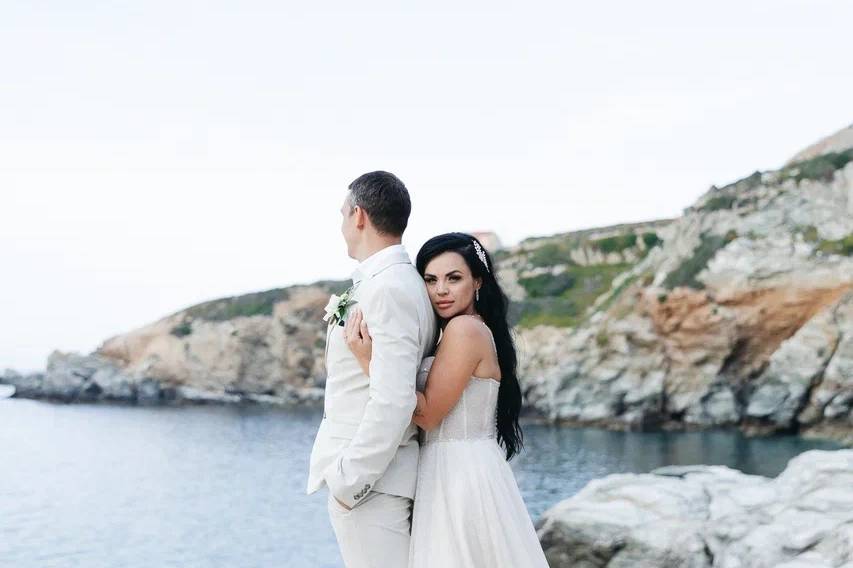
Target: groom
[[366, 450]]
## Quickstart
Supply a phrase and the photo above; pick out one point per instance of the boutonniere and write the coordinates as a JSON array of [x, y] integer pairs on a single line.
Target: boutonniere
[[337, 307]]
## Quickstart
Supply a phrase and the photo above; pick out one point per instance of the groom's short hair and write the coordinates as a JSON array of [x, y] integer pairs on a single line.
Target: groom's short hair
[[385, 200]]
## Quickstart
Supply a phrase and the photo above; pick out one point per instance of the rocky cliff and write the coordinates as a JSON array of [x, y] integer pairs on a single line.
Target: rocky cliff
[[741, 315], [261, 347]]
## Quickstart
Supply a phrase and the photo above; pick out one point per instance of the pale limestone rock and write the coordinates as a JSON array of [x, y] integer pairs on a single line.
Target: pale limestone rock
[[793, 368], [271, 359], [830, 402], [709, 516], [756, 347]]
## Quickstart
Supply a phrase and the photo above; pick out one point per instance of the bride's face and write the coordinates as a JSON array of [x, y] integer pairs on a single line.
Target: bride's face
[[451, 285]]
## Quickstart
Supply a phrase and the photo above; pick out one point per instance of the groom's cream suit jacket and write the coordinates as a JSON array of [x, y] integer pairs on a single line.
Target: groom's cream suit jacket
[[367, 439]]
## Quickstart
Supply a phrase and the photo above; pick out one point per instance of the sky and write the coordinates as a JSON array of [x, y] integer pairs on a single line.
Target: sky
[[157, 154]]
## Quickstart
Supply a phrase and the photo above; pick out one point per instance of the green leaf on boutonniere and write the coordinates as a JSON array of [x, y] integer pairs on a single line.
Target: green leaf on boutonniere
[[338, 306]]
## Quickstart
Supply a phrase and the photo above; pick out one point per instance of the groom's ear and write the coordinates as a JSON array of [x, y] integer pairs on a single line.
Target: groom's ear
[[360, 217]]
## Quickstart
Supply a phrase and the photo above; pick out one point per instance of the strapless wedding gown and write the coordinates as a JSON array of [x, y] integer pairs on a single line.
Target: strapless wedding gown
[[468, 511]]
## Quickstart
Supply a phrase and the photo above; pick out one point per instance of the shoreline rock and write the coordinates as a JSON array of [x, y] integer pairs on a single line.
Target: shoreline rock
[[709, 516], [72, 378]]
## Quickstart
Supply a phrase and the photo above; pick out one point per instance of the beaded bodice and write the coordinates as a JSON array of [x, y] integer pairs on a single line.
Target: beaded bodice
[[473, 417]]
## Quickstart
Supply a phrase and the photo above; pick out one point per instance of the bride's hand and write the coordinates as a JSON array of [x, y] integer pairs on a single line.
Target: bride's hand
[[358, 340]]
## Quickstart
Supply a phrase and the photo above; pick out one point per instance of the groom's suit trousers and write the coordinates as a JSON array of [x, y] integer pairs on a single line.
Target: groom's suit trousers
[[375, 534]]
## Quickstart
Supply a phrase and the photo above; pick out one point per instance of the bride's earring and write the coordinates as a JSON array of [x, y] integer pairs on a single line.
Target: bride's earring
[[477, 295]]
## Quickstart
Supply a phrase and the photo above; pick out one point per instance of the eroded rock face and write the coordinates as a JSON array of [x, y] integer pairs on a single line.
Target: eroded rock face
[[256, 357], [204, 354], [743, 317], [257, 353], [709, 516]]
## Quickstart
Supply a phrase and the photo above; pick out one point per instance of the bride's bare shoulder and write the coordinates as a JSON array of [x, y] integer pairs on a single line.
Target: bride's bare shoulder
[[464, 327]]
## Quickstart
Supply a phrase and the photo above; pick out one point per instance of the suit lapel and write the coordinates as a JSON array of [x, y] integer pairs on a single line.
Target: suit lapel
[[352, 289], [328, 335]]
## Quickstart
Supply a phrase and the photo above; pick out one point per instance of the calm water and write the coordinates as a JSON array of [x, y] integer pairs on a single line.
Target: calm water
[[121, 486]]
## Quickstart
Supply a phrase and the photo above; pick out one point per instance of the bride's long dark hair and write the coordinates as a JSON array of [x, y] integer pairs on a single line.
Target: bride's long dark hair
[[492, 306]]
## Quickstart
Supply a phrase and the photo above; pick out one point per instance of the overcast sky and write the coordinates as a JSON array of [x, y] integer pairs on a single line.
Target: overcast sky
[[157, 154]]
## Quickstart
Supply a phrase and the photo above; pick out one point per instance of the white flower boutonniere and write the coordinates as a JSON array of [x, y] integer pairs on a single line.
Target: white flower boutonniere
[[337, 307]]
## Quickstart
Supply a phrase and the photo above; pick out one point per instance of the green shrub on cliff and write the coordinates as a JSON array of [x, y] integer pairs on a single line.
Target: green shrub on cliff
[[730, 196], [818, 168], [842, 246], [561, 300], [551, 254], [616, 243], [182, 329], [545, 285], [254, 304], [718, 202], [685, 274], [751, 181], [809, 232], [651, 239], [558, 312]]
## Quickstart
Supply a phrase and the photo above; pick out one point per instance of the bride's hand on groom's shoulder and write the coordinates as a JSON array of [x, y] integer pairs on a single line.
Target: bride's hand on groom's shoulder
[[358, 339]]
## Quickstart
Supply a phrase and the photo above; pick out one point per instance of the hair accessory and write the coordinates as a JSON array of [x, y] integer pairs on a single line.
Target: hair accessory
[[481, 255]]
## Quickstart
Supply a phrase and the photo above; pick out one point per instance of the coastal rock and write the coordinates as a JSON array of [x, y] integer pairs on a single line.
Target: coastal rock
[[264, 348], [233, 349], [26, 385], [114, 384], [709, 516], [68, 377], [741, 316], [72, 377]]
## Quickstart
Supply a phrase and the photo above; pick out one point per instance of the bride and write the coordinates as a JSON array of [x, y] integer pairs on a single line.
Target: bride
[[468, 511]]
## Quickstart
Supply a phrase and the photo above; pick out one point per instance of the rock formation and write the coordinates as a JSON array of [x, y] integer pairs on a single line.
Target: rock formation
[[743, 315], [263, 347], [709, 517]]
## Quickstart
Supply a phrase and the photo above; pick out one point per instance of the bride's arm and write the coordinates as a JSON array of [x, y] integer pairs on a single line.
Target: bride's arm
[[450, 373]]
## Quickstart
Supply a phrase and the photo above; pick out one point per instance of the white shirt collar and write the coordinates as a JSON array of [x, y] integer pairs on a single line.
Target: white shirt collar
[[380, 260]]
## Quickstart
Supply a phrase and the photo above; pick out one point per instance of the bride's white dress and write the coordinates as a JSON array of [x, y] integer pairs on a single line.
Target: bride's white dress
[[468, 511]]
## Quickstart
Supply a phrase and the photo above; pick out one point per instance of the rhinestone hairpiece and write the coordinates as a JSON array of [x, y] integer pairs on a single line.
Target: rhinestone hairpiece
[[481, 255]]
